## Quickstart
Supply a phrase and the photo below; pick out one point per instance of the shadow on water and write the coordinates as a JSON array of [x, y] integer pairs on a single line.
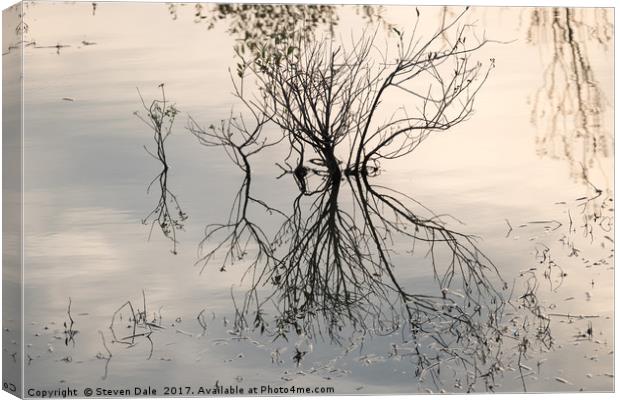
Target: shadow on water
[[570, 105]]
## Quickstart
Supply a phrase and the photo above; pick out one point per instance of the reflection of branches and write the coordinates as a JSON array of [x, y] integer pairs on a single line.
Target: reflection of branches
[[330, 267], [159, 117], [570, 106], [259, 28], [590, 218], [596, 211], [374, 14], [540, 325], [529, 301], [202, 321], [240, 141], [107, 357]]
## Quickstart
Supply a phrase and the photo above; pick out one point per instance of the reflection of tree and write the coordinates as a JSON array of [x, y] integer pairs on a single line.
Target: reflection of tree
[[167, 214], [241, 141], [329, 268], [260, 28], [257, 28], [570, 106]]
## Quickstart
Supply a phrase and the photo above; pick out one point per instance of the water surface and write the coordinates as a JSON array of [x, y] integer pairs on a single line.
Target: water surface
[[499, 174]]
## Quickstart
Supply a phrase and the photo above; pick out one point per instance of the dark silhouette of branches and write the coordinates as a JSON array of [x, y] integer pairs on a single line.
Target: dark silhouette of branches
[[240, 141], [137, 325], [326, 96], [167, 214], [70, 332], [569, 106], [590, 218], [330, 267]]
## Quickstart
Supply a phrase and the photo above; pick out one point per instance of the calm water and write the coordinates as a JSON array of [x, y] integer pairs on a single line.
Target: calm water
[[85, 195]]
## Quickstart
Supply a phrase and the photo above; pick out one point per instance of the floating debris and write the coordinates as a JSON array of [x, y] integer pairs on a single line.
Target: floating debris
[[182, 332], [562, 380]]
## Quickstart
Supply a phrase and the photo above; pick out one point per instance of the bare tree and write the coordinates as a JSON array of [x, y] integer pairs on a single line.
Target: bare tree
[[328, 97]]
